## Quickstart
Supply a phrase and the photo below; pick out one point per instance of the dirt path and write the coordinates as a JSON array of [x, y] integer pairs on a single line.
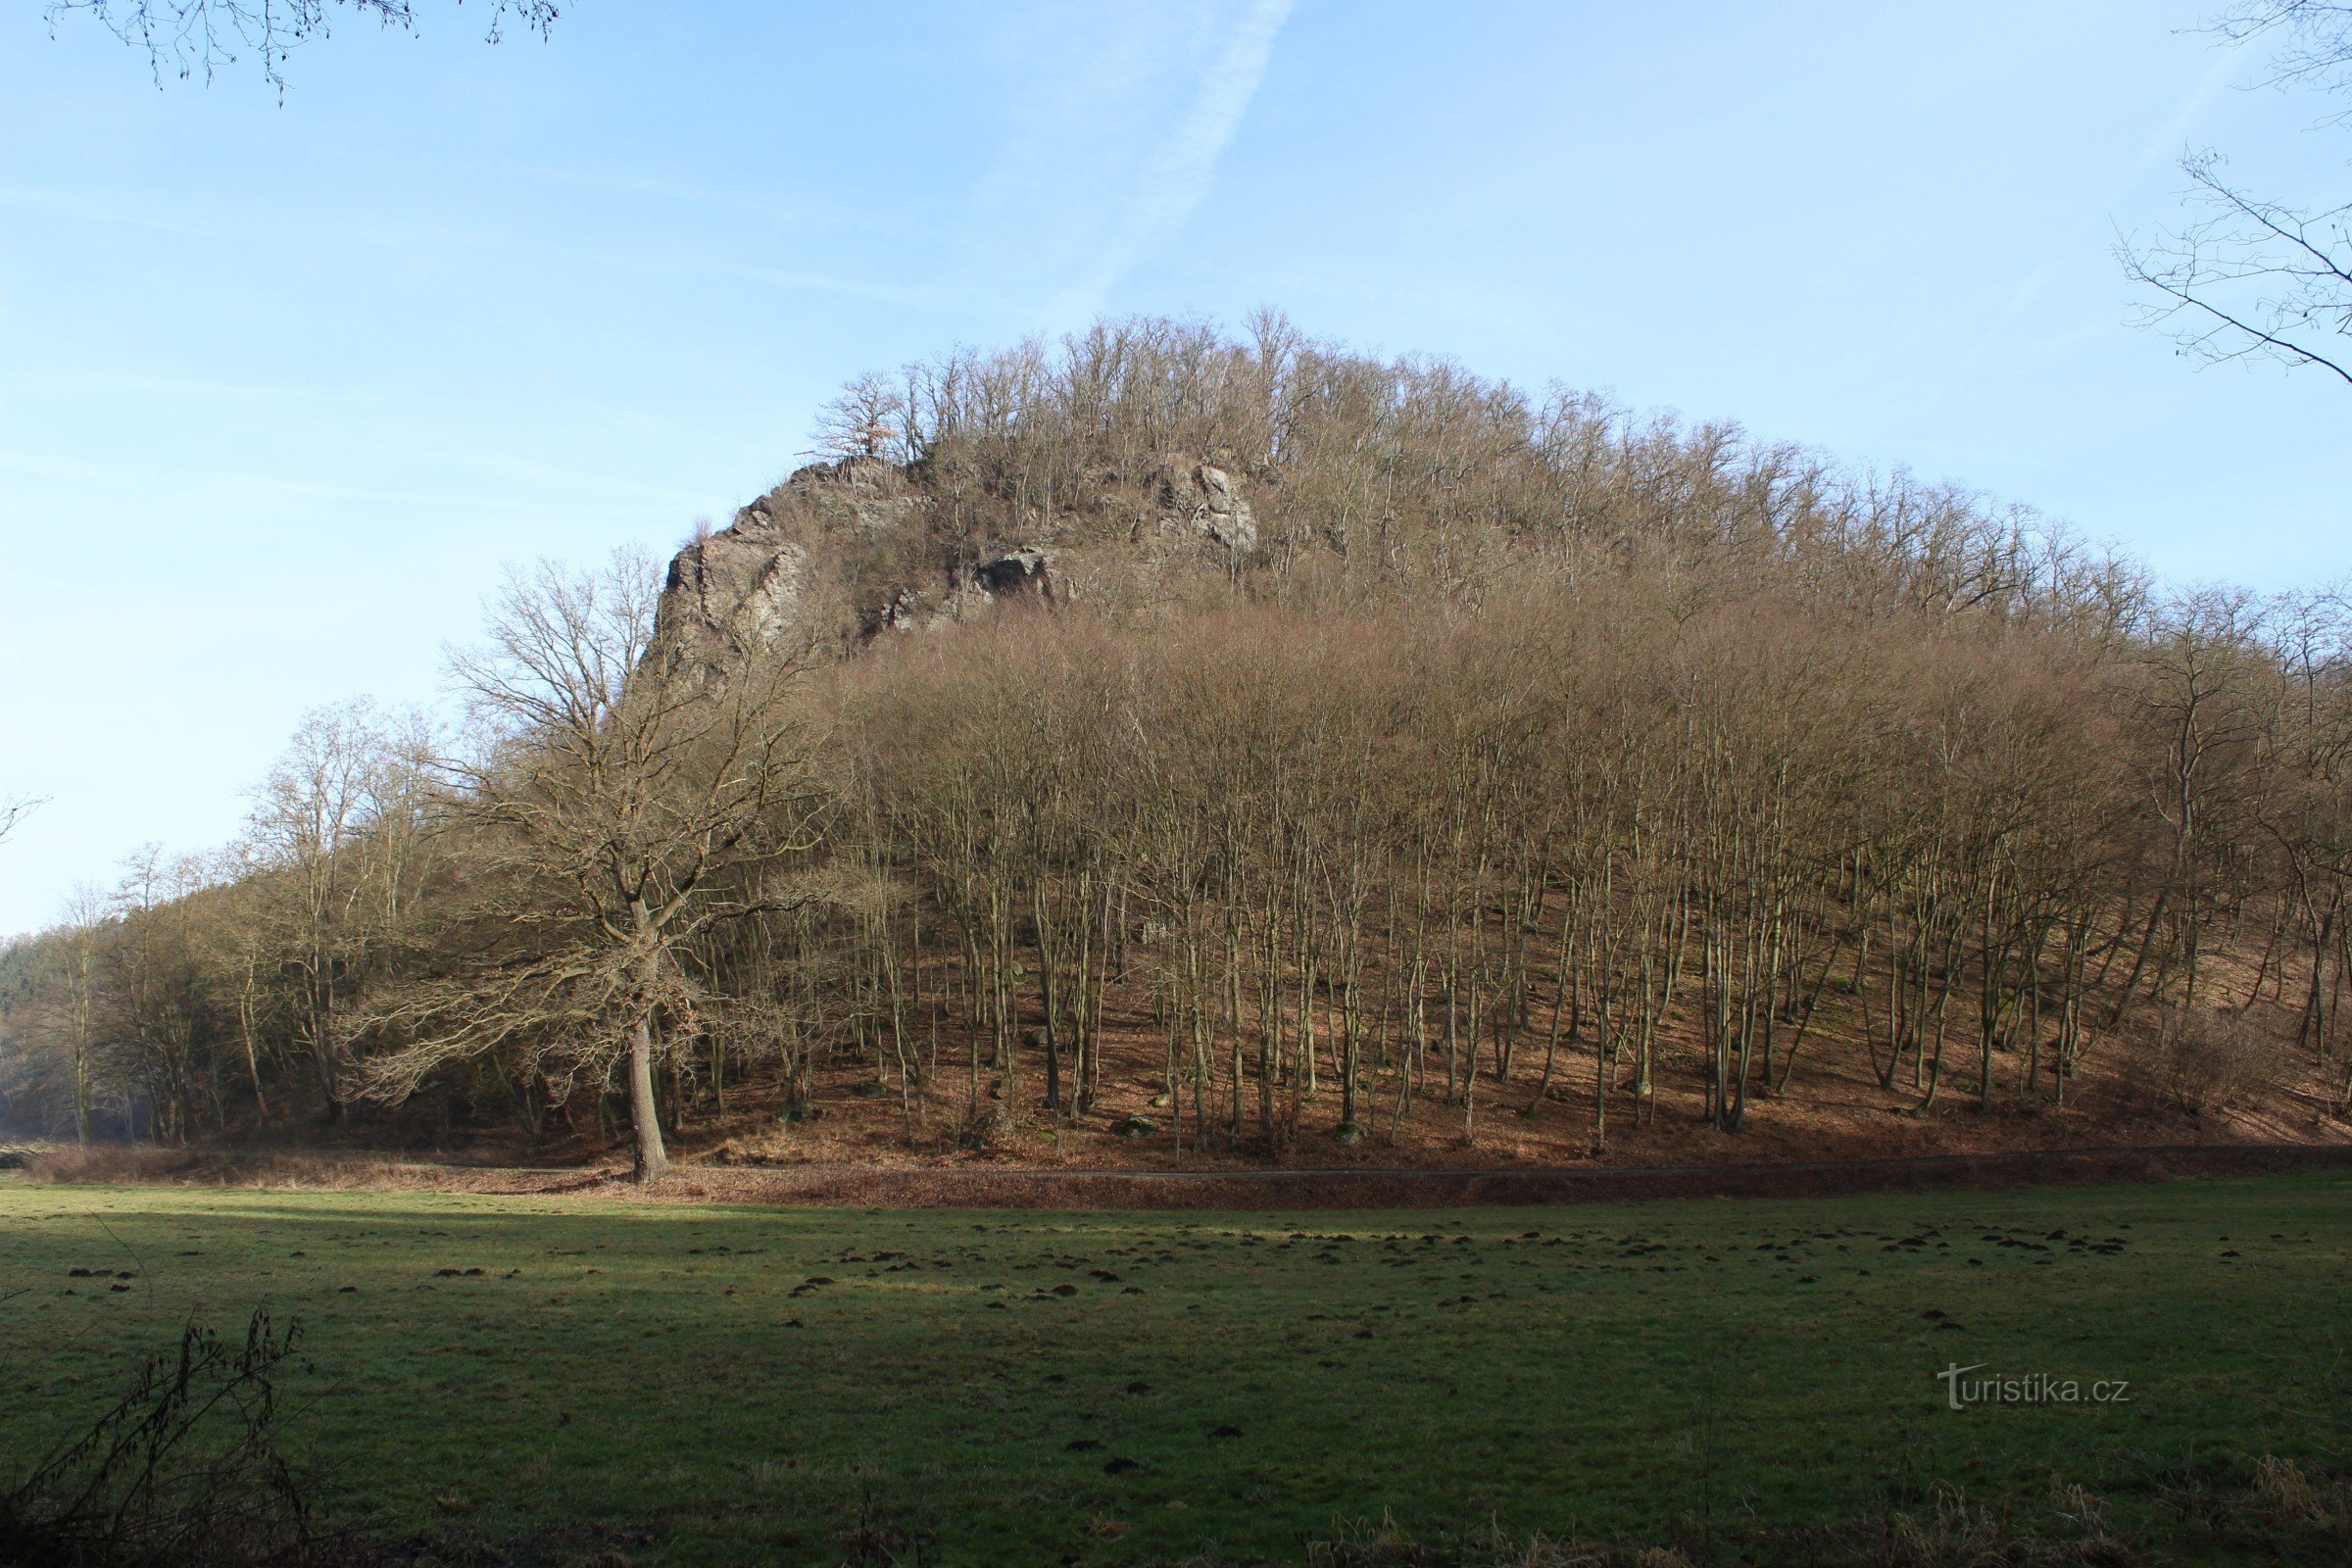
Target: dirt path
[[980, 1185], [970, 1188]]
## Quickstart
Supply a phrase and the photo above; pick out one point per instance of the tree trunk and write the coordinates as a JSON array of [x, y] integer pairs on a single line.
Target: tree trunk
[[644, 1115]]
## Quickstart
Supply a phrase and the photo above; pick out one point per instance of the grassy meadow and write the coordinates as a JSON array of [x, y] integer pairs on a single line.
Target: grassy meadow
[[556, 1379]]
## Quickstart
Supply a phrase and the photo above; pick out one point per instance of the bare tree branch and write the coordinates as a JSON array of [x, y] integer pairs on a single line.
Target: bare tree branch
[[2254, 278], [200, 37], [14, 810], [2318, 42]]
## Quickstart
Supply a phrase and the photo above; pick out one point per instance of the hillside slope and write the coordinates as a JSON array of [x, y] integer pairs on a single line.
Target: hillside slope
[[1169, 748]]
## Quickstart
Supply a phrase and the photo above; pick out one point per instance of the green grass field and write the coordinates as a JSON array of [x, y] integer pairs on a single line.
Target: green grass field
[[730, 1385]]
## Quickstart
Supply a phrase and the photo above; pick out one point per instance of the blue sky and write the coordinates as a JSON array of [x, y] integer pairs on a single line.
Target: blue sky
[[282, 388]]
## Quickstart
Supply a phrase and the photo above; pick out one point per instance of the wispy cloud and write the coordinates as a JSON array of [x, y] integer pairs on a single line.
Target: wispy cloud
[[229, 487], [97, 207], [798, 212], [1177, 178], [1115, 118], [2162, 146], [2075, 253]]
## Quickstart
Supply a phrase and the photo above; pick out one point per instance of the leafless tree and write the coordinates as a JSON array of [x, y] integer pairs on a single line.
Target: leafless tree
[[327, 830], [2250, 278], [159, 999], [868, 419], [615, 809], [2316, 49], [78, 1012]]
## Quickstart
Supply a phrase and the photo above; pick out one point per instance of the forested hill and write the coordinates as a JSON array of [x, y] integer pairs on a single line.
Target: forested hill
[[1180, 747], [1138, 463]]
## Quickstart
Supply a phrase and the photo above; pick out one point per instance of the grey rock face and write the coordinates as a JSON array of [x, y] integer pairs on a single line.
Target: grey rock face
[[863, 496], [788, 558], [752, 584], [875, 475], [734, 592], [739, 586], [1208, 502]]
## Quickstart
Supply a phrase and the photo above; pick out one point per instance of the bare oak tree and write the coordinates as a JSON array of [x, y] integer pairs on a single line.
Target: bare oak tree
[[868, 419], [615, 808]]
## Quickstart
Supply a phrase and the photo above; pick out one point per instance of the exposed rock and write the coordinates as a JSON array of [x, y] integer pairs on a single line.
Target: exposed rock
[[816, 557], [753, 584], [734, 592], [1026, 572], [875, 475], [1208, 502], [863, 496], [905, 611]]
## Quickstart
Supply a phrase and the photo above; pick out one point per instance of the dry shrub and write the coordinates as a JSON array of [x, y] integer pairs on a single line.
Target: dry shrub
[[2287, 1490], [2214, 1060], [183, 1472], [2080, 1506], [1362, 1543], [113, 1165], [1954, 1536], [146, 1164], [136, 1164], [2281, 1484]]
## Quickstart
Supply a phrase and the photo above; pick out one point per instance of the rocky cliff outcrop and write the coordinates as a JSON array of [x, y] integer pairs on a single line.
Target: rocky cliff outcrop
[[734, 591], [841, 552], [1206, 502], [760, 581]]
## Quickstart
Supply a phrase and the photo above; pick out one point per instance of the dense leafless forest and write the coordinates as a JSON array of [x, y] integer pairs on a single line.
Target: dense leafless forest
[[1359, 746]]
